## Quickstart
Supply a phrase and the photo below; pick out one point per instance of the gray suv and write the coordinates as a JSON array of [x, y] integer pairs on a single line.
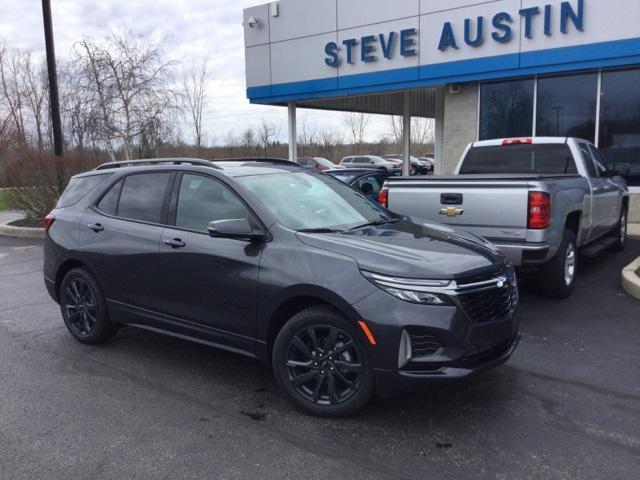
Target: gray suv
[[339, 296]]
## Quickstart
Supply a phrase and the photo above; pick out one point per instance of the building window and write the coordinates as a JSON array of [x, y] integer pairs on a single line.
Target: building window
[[620, 120], [567, 106], [506, 109]]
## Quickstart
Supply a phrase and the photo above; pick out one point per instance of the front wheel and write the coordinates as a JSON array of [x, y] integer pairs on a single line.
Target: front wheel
[[321, 362], [84, 309], [557, 277], [620, 232]]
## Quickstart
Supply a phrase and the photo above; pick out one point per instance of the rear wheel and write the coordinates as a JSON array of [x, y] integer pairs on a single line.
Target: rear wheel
[[321, 362], [557, 277], [620, 232], [84, 309]]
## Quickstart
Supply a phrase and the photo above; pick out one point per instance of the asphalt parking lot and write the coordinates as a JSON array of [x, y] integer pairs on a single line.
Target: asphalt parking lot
[[567, 405]]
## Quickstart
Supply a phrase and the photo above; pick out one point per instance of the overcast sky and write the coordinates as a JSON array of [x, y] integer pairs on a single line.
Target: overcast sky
[[196, 28]]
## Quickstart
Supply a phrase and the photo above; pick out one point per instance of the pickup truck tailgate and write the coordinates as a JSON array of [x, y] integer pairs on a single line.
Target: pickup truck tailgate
[[493, 208]]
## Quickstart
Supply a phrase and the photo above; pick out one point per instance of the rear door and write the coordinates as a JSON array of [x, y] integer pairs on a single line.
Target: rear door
[[120, 237], [209, 282], [611, 191], [600, 195]]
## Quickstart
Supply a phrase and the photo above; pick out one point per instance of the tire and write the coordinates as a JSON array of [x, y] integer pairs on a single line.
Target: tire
[[84, 309], [620, 232], [557, 278], [299, 354]]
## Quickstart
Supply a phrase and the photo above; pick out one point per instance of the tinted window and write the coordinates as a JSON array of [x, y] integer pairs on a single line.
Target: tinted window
[[202, 200], [620, 121], [361, 160], [109, 203], [567, 106], [374, 182], [79, 187], [524, 159], [142, 196], [506, 109], [588, 161]]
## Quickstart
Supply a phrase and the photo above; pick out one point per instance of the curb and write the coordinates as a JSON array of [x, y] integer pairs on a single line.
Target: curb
[[21, 232], [630, 280], [634, 231]]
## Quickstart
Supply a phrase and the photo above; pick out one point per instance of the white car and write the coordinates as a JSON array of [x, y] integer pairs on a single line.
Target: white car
[[370, 161]]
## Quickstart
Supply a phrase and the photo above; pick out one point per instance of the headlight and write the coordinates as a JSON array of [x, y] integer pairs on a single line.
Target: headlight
[[426, 292]]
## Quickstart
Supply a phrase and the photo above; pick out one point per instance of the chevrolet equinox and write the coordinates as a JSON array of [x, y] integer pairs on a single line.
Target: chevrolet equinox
[[339, 296]]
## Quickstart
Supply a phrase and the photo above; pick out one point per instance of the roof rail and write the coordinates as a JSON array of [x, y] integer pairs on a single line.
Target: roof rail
[[282, 161], [158, 161]]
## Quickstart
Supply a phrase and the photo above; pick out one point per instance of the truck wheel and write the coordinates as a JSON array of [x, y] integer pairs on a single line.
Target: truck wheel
[[620, 232], [557, 277]]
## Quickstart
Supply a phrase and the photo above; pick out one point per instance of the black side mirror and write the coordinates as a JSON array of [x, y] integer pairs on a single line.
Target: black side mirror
[[236, 228], [620, 170]]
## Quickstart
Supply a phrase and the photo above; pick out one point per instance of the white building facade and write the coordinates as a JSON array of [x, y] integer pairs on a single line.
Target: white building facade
[[483, 69]]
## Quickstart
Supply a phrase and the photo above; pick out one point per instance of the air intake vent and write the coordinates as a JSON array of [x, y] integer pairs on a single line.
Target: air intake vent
[[423, 344]]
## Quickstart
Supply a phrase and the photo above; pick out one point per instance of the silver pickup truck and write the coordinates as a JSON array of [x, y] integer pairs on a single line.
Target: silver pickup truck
[[540, 200]]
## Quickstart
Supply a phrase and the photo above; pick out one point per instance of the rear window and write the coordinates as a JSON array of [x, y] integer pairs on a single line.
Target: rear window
[[550, 159], [79, 187], [344, 176]]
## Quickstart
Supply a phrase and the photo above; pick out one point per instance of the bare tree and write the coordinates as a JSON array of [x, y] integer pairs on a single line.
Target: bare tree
[[422, 130], [11, 90], [129, 78], [266, 134], [357, 124], [35, 88], [194, 95]]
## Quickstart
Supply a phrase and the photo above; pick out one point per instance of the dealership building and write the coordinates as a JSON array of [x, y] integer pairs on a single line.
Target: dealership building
[[482, 69]]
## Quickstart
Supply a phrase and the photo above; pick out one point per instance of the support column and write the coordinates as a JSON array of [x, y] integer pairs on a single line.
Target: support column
[[406, 135], [293, 132], [439, 132]]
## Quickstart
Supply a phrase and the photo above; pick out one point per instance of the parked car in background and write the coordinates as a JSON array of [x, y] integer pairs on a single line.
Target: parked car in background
[[418, 167], [339, 296], [318, 163], [367, 181], [371, 161], [539, 200], [431, 163]]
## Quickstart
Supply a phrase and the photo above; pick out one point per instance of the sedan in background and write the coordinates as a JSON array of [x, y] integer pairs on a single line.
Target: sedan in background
[[371, 161], [367, 181], [318, 163], [418, 166]]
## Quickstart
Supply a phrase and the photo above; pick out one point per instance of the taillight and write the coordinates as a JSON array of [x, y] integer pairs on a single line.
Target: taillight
[[517, 141], [383, 196], [48, 221], [539, 211]]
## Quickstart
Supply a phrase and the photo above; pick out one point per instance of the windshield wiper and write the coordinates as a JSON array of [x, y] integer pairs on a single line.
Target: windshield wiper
[[376, 223], [318, 230]]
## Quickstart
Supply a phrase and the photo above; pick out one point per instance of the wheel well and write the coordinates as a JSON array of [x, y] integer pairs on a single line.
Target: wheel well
[[287, 310], [573, 222], [625, 203], [65, 268]]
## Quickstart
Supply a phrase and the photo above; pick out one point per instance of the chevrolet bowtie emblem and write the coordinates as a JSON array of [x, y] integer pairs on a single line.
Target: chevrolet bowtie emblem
[[451, 212]]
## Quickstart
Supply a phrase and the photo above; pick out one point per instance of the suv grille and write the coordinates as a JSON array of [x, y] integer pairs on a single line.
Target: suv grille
[[423, 344], [490, 303]]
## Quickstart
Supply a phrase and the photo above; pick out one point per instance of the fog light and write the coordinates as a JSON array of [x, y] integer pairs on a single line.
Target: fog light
[[404, 352]]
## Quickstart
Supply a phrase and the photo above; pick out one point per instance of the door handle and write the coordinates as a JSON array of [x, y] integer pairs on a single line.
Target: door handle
[[174, 243], [96, 227]]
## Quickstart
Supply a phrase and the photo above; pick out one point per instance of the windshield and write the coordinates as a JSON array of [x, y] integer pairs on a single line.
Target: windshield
[[306, 201], [324, 162]]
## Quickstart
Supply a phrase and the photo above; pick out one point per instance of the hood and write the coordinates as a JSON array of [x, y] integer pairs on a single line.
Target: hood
[[407, 249]]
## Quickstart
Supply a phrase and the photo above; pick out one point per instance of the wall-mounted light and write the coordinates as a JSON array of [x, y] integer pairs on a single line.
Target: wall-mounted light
[[253, 22], [274, 9]]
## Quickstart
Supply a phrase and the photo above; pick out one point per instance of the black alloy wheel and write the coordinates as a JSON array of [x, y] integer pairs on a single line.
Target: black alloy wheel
[[84, 309], [79, 303], [323, 365], [321, 361]]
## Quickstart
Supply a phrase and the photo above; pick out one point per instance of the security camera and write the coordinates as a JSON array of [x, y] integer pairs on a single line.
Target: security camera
[[252, 22], [454, 88]]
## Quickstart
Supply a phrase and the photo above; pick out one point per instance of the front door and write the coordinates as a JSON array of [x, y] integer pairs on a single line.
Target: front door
[[209, 283]]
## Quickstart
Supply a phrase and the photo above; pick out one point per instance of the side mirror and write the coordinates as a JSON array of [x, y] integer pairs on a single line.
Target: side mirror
[[620, 170], [236, 228]]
